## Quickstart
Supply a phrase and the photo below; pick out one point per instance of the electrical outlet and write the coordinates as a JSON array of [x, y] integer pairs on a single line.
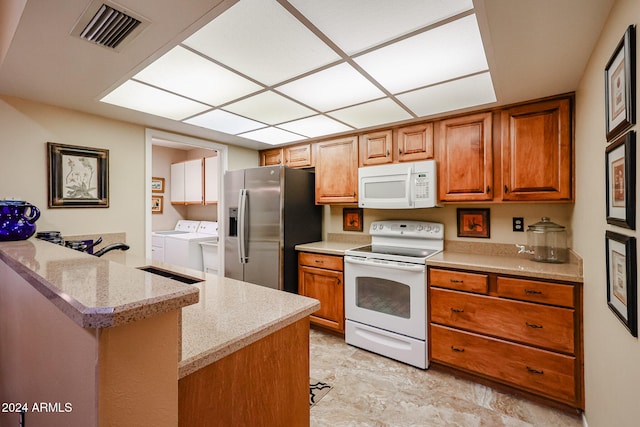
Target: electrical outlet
[[518, 223]]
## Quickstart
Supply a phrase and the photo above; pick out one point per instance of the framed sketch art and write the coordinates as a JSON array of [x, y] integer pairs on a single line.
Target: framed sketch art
[[620, 82], [157, 185], [78, 176], [621, 279], [620, 169]]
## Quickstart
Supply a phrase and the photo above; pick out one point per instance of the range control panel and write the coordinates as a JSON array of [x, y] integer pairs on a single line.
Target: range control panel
[[412, 229]]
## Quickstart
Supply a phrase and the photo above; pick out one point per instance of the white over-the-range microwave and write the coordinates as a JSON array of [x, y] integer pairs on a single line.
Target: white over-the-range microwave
[[398, 186]]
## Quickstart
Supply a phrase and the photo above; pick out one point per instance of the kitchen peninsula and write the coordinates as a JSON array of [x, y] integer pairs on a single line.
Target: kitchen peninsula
[[100, 342]]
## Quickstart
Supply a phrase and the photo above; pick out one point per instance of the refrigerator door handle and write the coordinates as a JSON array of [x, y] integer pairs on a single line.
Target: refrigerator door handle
[[242, 221]]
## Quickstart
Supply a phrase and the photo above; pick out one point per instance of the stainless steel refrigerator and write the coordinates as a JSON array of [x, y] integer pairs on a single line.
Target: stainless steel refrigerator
[[269, 210]]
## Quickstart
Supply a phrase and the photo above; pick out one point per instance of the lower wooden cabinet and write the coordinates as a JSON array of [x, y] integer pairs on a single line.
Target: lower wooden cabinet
[[520, 332], [320, 277]]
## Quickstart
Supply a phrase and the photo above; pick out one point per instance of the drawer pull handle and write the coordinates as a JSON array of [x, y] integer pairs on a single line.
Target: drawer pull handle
[[532, 292], [456, 310], [457, 350], [533, 325], [456, 281], [535, 371], [319, 261]]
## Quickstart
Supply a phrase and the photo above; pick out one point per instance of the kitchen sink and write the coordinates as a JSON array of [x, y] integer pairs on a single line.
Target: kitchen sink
[[171, 275]]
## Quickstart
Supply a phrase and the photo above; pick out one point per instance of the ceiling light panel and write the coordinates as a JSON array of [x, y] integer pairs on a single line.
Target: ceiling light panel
[[358, 25], [141, 97], [195, 77], [262, 40], [372, 113], [270, 108], [444, 53], [335, 87], [272, 136], [315, 126], [223, 121], [462, 93]]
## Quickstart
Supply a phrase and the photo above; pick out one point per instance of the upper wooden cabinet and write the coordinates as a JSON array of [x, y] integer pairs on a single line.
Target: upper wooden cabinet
[[465, 167], [537, 152], [406, 144], [271, 157], [295, 156], [337, 171]]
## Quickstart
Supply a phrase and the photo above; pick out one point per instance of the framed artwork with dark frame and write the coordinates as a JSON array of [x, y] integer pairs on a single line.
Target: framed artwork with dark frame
[[157, 185], [622, 279], [78, 176], [620, 157], [620, 84], [352, 219], [157, 203], [474, 222]]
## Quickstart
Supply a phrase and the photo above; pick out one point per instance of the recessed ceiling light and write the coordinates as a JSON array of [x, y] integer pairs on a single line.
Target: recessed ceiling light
[[223, 121], [141, 97], [315, 126], [272, 136], [269, 107], [188, 74], [372, 113]]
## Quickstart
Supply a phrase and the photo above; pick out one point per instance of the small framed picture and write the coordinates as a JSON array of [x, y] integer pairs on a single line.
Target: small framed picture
[[620, 82], [352, 219], [620, 159], [474, 222], [157, 185], [621, 279], [157, 204], [78, 176]]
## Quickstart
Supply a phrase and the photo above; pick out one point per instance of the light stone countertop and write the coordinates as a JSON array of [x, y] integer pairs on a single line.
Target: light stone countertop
[[219, 315], [92, 291], [327, 247]]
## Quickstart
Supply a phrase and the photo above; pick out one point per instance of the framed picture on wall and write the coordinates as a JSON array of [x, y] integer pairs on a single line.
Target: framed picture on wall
[[474, 222], [157, 203], [157, 185], [620, 83], [78, 176], [352, 219], [622, 279], [620, 169]]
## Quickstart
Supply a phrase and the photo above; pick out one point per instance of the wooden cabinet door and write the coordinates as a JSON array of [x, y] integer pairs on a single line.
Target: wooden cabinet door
[[414, 143], [537, 152], [376, 148], [298, 156], [271, 157], [325, 286], [466, 158], [337, 171]]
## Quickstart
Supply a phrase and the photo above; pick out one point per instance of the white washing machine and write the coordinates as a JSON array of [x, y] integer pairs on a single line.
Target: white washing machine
[[183, 226], [185, 250]]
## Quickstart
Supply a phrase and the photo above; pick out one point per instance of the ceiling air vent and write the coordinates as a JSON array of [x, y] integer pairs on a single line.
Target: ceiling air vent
[[108, 26]]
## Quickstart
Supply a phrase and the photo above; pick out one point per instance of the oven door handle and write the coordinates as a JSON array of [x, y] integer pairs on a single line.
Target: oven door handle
[[386, 264]]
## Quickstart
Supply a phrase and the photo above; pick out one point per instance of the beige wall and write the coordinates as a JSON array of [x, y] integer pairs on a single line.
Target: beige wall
[[612, 355], [25, 129]]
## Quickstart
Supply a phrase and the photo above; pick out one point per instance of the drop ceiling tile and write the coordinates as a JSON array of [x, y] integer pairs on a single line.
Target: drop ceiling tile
[[269, 107], [335, 87], [223, 121], [355, 26], [380, 112], [315, 126], [262, 40], [463, 93], [272, 136], [188, 74], [141, 97], [447, 52]]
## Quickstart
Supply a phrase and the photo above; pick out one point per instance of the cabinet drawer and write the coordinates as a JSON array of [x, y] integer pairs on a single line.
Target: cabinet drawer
[[471, 282], [546, 373], [329, 262], [535, 324], [530, 290]]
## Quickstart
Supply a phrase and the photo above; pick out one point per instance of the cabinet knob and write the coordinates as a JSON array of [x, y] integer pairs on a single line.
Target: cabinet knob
[[506, 189], [388, 152], [399, 150], [488, 189]]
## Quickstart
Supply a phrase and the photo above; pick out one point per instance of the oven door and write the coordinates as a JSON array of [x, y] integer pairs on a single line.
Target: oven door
[[388, 295]]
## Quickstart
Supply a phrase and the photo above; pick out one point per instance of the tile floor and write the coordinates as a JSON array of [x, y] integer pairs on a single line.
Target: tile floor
[[370, 390]]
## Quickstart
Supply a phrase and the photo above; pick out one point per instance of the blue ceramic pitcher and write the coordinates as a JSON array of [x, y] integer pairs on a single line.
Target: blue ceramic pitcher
[[17, 220]]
